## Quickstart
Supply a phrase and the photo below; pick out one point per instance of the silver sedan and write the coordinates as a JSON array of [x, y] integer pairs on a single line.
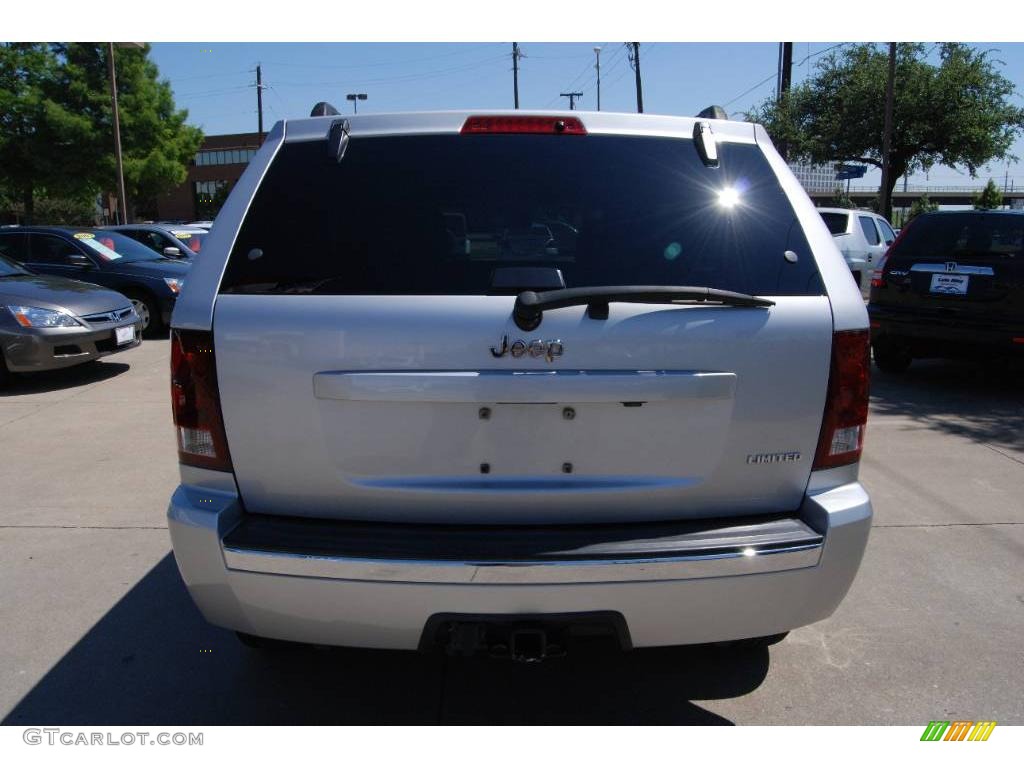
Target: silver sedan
[[50, 322]]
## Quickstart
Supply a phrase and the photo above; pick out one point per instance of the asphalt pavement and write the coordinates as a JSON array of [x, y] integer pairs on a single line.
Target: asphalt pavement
[[98, 629]]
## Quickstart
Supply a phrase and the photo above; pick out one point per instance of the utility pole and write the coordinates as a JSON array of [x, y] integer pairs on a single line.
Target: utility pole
[[778, 75], [597, 66], [122, 201], [785, 78], [884, 203], [259, 99], [572, 98], [634, 59], [515, 73], [787, 67]]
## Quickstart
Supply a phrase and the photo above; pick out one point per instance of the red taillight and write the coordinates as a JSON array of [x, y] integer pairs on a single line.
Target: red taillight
[[195, 402], [878, 276], [571, 126], [846, 405]]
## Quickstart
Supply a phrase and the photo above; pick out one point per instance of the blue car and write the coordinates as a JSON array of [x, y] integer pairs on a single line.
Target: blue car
[[151, 281]]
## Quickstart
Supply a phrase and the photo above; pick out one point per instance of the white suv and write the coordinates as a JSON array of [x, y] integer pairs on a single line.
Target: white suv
[[396, 431], [862, 237]]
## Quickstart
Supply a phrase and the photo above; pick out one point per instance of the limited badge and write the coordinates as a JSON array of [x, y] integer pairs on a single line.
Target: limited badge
[[84, 236]]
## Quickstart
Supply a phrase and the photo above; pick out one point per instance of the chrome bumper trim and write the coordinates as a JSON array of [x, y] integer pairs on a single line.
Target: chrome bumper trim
[[683, 566]]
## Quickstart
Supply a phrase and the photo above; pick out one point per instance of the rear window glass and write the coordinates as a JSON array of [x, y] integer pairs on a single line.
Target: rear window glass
[[836, 222], [439, 214], [950, 235]]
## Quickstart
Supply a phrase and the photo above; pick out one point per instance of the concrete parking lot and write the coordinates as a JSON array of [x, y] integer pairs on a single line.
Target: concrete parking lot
[[98, 629]]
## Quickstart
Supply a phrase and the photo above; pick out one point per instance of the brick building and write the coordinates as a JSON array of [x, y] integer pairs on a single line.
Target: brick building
[[216, 167]]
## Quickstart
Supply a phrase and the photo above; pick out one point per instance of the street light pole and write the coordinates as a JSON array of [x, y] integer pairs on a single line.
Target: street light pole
[[122, 201], [355, 98]]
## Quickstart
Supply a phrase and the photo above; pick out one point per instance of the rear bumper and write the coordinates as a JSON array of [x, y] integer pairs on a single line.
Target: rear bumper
[[43, 349], [671, 589], [934, 334]]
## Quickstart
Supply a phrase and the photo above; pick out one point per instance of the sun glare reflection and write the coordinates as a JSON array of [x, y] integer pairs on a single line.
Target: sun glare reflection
[[728, 197]]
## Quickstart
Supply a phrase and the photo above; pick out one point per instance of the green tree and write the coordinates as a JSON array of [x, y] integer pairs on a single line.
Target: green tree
[[922, 205], [80, 211], [840, 199], [990, 198], [157, 143], [955, 113], [39, 135]]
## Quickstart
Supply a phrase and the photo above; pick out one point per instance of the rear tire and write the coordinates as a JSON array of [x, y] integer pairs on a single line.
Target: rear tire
[[762, 642], [265, 644], [891, 357], [753, 643]]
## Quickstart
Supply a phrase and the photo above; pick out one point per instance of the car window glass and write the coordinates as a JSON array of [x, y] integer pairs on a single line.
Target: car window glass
[[50, 249], [14, 246], [430, 218], [8, 268], [192, 240], [868, 225], [887, 234], [941, 236], [158, 241], [115, 246], [836, 222]]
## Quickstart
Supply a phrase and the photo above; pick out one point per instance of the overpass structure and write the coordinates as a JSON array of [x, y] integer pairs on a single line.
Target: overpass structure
[[861, 196]]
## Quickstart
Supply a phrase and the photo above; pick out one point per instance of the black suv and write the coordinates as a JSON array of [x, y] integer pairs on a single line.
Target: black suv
[[106, 258], [952, 285]]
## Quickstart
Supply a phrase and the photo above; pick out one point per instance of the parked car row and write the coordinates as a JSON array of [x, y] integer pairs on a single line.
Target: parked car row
[[70, 295], [951, 285], [862, 237]]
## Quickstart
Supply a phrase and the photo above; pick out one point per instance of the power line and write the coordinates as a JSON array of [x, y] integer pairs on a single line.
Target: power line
[[775, 73], [217, 92], [401, 62], [613, 61], [810, 56], [211, 76], [411, 77], [772, 76]]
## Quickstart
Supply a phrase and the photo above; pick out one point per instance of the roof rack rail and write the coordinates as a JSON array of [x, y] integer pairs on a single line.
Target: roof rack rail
[[324, 109]]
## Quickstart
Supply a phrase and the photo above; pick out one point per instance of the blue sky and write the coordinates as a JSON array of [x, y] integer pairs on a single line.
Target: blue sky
[[214, 80]]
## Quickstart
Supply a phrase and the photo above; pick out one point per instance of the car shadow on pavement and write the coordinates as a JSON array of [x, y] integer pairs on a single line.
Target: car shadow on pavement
[[979, 401], [152, 659], [64, 378]]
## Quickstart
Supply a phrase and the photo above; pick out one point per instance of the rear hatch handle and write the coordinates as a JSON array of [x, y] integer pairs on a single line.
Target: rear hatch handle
[[530, 305]]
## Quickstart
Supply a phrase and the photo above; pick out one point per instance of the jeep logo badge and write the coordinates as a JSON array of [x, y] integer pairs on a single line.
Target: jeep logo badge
[[549, 349]]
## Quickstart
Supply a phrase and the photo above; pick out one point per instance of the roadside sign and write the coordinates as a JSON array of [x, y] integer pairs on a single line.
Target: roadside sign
[[850, 171]]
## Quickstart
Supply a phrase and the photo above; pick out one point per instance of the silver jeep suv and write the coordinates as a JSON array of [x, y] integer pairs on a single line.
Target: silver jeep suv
[[489, 381]]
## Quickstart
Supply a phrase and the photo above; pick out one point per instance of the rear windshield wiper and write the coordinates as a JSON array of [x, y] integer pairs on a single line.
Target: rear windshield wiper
[[530, 306]]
